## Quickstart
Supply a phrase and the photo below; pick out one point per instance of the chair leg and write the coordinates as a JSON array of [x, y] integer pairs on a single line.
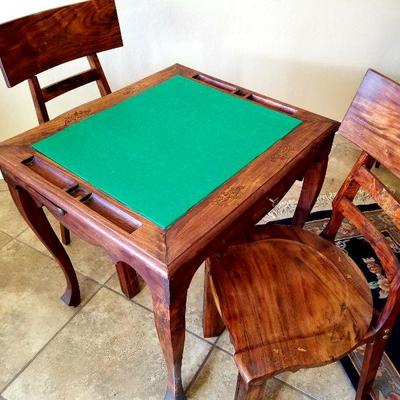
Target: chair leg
[[65, 235], [372, 358], [250, 391], [212, 322], [312, 184], [128, 279], [333, 226]]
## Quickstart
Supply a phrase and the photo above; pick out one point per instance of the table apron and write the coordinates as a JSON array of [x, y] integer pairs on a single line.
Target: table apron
[[94, 234]]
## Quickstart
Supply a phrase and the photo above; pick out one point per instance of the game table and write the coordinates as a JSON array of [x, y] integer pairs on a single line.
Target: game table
[[161, 174]]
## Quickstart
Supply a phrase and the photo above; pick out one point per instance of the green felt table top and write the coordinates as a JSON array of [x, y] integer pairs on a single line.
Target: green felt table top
[[164, 150]]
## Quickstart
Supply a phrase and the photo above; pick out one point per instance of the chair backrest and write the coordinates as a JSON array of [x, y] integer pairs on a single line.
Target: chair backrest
[[373, 123], [38, 42], [373, 120]]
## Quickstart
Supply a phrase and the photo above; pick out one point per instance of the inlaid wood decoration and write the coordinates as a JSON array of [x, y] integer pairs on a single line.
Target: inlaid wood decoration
[[161, 174], [292, 299]]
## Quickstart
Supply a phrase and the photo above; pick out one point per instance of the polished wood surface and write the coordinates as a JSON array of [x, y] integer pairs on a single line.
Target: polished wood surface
[[168, 259], [37, 42], [128, 279], [373, 120], [292, 299], [44, 40], [36, 219], [250, 188], [213, 325], [289, 299]]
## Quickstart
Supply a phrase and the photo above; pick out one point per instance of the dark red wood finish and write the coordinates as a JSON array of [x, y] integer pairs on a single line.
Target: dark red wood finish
[[37, 42], [291, 299], [167, 259]]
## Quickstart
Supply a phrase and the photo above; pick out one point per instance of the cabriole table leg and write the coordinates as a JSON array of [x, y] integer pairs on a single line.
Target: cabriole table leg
[[169, 317], [37, 220]]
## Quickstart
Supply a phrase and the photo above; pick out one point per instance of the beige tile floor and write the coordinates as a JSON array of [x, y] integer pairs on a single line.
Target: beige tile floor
[[107, 348]]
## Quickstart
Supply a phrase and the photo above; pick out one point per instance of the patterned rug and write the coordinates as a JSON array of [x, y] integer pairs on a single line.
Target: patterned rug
[[387, 382]]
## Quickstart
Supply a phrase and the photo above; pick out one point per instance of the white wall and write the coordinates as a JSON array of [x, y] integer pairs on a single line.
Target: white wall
[[312, 53]]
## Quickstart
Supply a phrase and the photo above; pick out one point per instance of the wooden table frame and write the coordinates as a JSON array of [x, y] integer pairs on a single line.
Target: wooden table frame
[[165, 259]]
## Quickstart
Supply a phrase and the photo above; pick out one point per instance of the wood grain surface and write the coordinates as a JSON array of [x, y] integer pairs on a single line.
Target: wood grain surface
[[168, 259], [290, 299], [37, 42]]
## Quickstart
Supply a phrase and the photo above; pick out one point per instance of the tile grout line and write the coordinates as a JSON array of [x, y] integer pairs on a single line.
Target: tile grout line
[[49, 255], [11, 236], [104, 286], [296, 389], [213, 345], [201, 338], [222, 349], [274, 377], [47, 343], [196, 375], [151, 311], [43, 253], [3, 246]]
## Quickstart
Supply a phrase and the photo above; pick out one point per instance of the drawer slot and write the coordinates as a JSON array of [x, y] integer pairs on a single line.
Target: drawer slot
[[110, 212], [241, 93], [48, 172], [216, 83], [80, 193], [271, 104]]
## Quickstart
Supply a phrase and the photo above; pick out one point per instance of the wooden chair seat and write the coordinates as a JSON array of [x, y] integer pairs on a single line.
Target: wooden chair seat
[[289, 299]]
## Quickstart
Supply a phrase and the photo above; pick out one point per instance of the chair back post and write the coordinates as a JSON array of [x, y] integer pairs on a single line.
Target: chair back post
[[38, 100], [102, 83], [390, 312], [38, 42], [35, 43], [373, 123]]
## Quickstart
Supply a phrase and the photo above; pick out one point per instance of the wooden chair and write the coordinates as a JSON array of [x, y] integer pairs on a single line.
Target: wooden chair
[[291, 299], [38, 42]]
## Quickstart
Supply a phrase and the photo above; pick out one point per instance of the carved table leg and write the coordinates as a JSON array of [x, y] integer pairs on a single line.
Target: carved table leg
[[169, 316], [312, 184], [65, 235], [212, 321], [36, 219], [128, 279]]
